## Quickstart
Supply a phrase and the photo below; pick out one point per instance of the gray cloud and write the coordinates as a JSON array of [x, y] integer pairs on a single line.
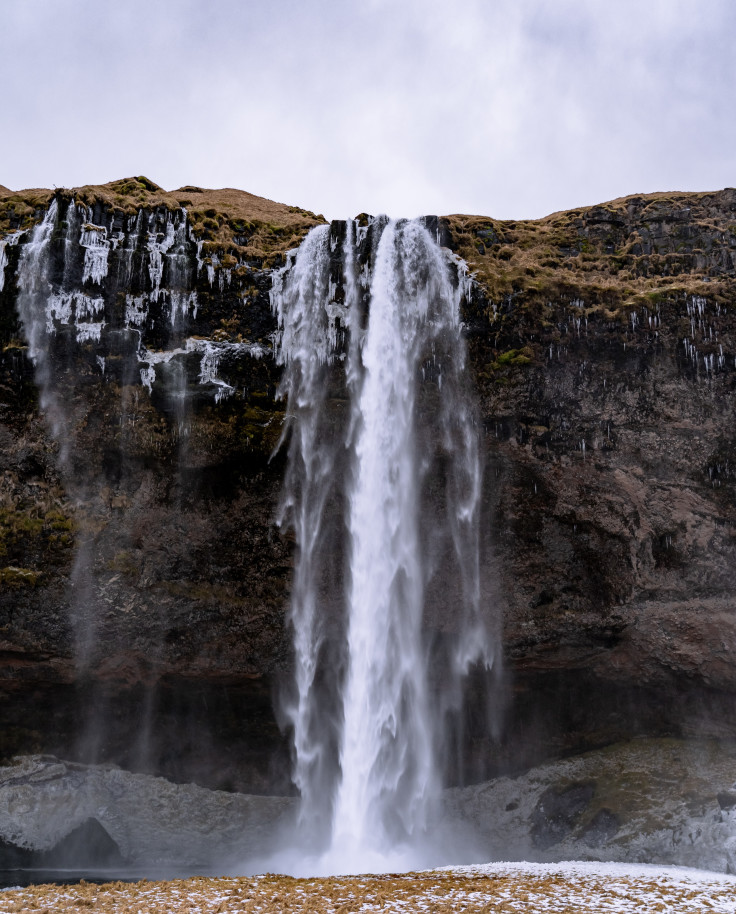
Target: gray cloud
[[512, 108]]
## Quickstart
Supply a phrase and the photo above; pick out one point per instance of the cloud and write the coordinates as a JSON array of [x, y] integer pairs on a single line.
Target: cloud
[[512, 108]]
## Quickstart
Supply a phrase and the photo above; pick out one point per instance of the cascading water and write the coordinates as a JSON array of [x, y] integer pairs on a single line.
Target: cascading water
[[369, 732]]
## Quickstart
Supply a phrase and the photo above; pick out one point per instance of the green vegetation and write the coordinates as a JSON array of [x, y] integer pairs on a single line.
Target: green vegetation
[[30, 533], [15, 525], [18, 577], [124, 562], [512, 358]]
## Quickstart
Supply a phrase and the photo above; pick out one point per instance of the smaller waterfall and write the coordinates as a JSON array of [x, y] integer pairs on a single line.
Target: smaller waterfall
[[46, 302], [94, 297], [34, 293], [369, 732]]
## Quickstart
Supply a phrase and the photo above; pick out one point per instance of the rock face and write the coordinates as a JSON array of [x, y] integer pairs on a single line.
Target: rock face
[[659, 801], [143, 577], [54, 812], [646, 801], [608, 400]]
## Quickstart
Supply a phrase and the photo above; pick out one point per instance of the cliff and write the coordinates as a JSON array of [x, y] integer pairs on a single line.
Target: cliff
[[145, 581]]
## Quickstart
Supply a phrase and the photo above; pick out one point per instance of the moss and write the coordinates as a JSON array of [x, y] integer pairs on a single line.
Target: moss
[[27, 533], [148, 185], [18, 577], [241, 226], [269, 228], [18, 523], [15, 344], [59, 522], [590, 252], [19, 212], [513, 358], [230, 329], [255, 429]]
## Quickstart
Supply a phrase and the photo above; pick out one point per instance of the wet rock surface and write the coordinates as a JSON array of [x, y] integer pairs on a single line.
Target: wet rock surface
[[56, 814], [557, 812], [643, 801]]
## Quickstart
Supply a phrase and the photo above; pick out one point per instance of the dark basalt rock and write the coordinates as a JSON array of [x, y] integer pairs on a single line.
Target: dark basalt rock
[[726, 800], [652, 801], [557, 813], [88, 846]]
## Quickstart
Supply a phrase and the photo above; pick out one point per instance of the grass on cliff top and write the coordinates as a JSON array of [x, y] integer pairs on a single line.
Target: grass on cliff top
[[595, 252], [507, 888], [592, 252], [229, 221]]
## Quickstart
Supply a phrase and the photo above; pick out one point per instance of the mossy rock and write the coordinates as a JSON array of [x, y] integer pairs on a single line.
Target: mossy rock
[[19, 577], [513, 358]]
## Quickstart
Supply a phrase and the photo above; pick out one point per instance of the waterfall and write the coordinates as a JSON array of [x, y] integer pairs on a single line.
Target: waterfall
[[404, 468]]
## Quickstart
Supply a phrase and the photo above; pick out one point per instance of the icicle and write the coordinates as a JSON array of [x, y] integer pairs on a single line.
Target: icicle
[[96, 249]]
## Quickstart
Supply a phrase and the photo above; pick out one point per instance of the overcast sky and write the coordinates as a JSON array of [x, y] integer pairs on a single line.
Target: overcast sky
[[508, 108]]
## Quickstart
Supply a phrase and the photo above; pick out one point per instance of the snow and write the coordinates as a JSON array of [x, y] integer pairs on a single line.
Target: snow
[[509, 887]]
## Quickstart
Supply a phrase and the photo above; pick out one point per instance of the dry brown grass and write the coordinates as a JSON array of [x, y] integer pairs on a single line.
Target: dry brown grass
[[592, 251], [229, 222], [437, 891]]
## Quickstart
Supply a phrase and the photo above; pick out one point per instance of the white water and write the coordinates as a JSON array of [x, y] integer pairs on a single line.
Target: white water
[[301, 295], [369, 741], [63, 293], [96, 250]]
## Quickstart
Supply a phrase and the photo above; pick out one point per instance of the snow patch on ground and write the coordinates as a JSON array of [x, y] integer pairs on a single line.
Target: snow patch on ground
[[583, 888]]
